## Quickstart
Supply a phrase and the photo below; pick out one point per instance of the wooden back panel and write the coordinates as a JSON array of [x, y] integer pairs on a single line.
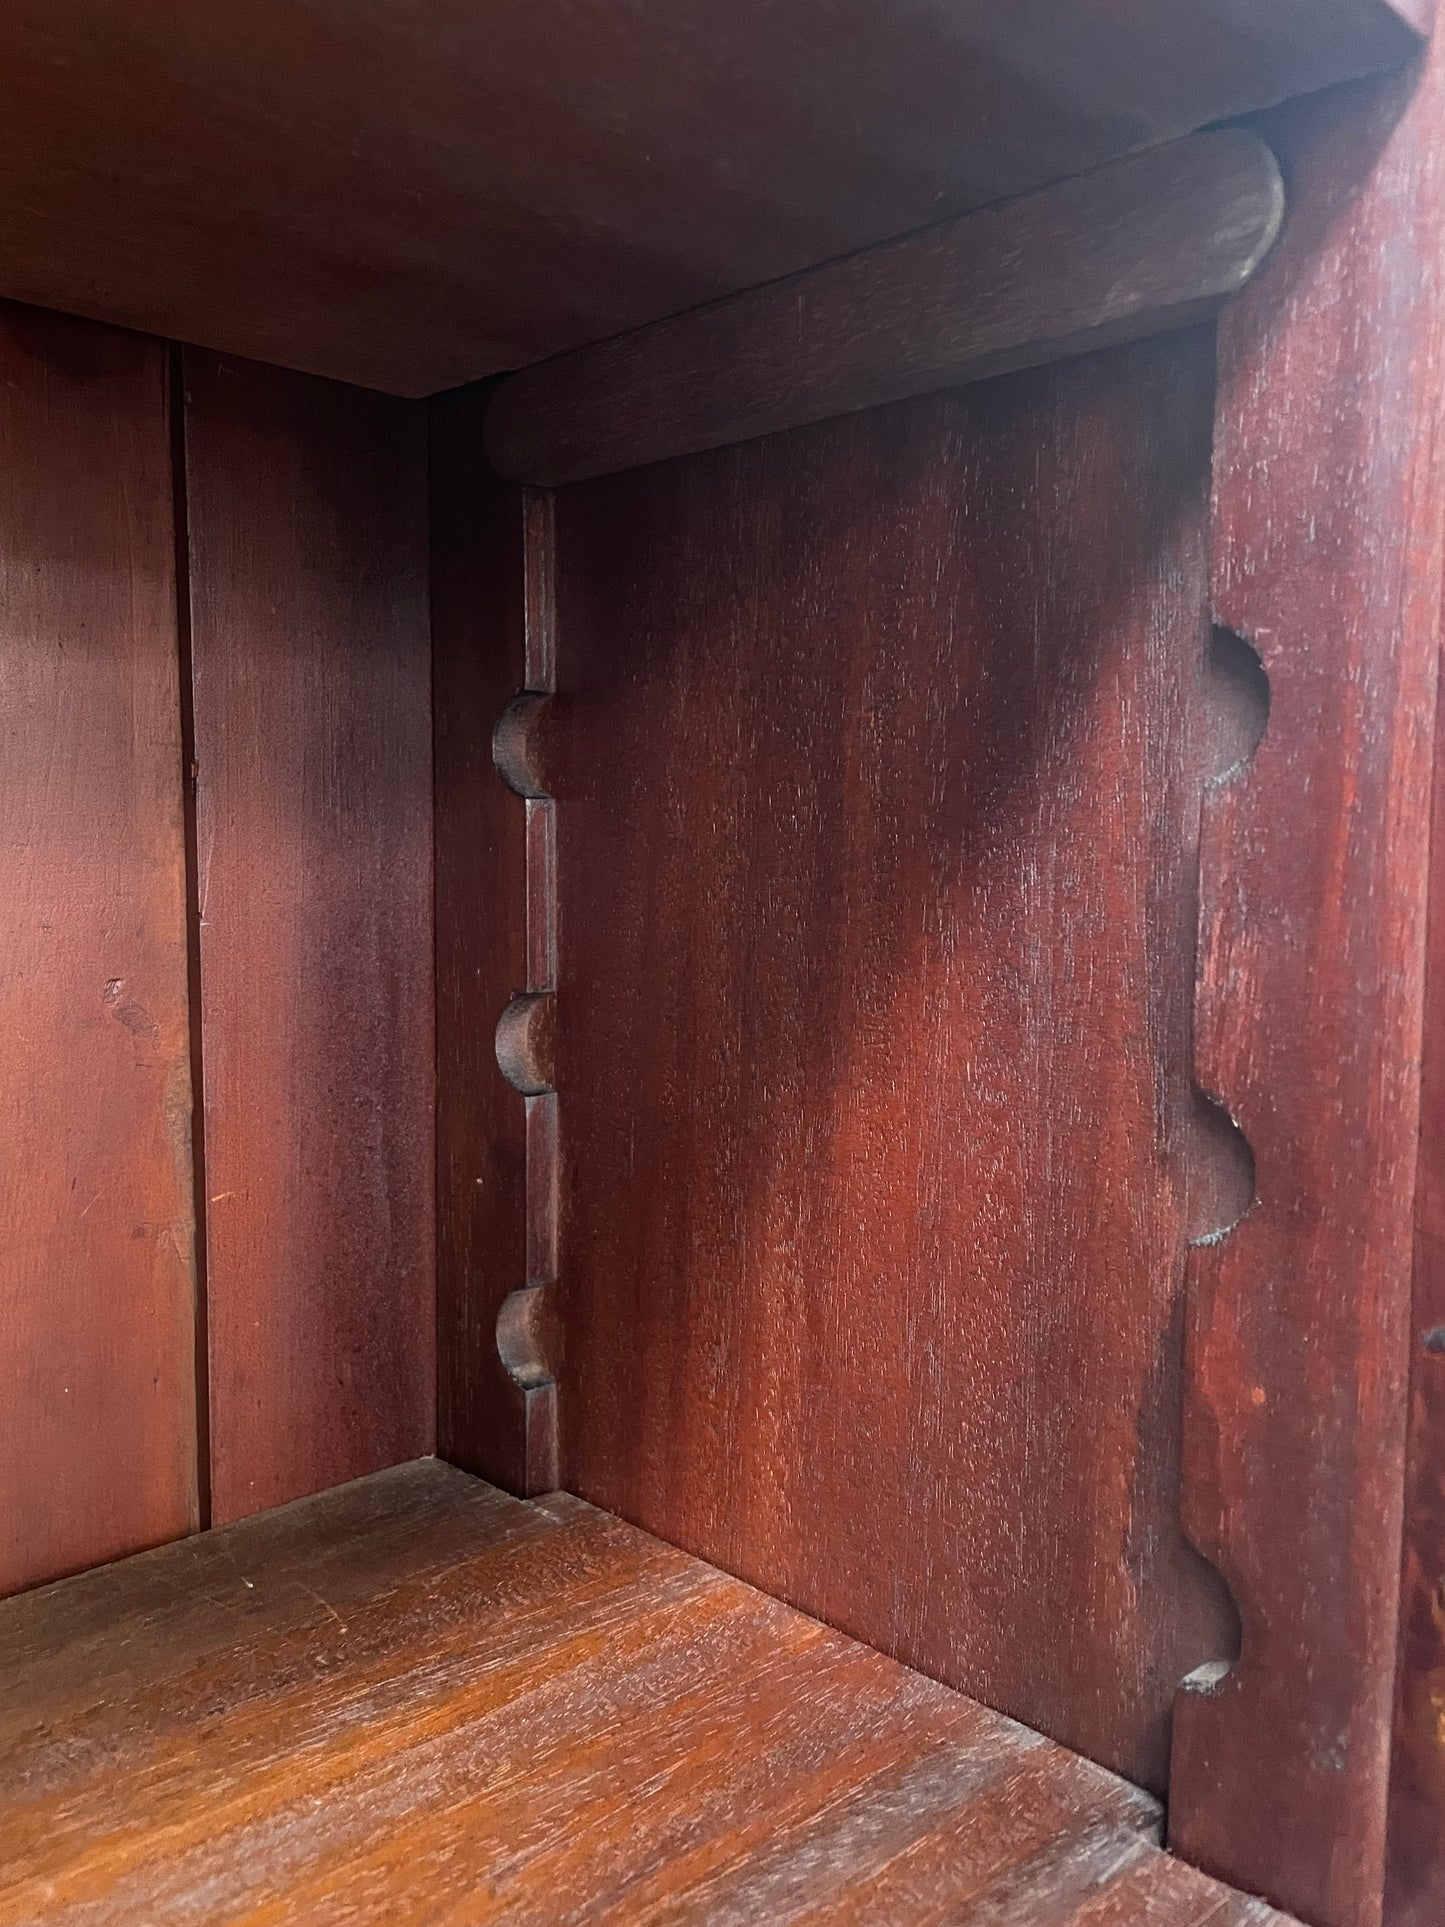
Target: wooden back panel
[[311, 652], [98, 1408], [295, 516], [878, 800]]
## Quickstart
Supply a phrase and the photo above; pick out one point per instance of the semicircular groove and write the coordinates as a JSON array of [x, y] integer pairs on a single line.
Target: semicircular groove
[[525, 1338], [525, 1042], [1221, 1185], [518, 747], [1238, 705]]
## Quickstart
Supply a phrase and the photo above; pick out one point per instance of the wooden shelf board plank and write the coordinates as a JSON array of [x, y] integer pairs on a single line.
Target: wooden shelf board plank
[[413, 197], [1149, 244], [414, 1697]]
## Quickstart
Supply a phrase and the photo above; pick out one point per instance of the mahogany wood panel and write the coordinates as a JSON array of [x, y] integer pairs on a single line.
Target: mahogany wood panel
[[414, 196], [1415, 1845], [417, 1699], [487, 1419], [97, 1276], [1327, 545], [875, 767], [307, 506], [1415, 1892], [1154, 242]]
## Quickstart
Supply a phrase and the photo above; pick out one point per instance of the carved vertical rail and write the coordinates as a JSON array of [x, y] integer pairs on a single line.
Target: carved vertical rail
[[1415, 1893], [1327, 562], [492, 632], [525, 1030]]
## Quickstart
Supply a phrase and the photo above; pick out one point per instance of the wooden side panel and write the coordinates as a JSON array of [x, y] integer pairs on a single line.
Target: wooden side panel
[[487, 1421], [307, 505], [879, 820], [97, 1344], [1415, 1895], [1327, 558]]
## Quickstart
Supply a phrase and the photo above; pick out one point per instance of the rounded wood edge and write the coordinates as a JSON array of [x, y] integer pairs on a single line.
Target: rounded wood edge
[[525, 1043], [1137, 247]]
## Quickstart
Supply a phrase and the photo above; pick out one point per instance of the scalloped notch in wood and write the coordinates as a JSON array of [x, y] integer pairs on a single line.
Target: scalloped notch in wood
[[525, 1042], [527, 1336], [1221, 1173], [518, 746], [1238, 710]]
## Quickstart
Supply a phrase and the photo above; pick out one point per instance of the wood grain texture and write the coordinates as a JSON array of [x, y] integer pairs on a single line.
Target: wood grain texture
[[1415, 1889], [97, 1277], [1154, 242], [417, 1699], [412, 197], [313, 742], [496, 1398], [875, 760], [1327, 557]]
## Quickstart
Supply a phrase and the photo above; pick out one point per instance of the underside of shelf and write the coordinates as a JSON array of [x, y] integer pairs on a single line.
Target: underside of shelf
[[415, 1698], [413, 197]]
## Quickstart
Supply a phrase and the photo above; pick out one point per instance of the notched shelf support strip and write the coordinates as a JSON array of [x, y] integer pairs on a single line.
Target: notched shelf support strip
[[1147, 244], [1326, 564], [525, 1028]]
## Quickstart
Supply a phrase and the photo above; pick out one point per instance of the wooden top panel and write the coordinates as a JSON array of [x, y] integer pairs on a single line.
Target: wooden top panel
[[411, 197], [415, 1698]]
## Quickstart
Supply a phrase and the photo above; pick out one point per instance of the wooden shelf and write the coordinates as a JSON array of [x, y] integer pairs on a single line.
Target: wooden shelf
[[1149, 244], [414, 1698], [412, 197]]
